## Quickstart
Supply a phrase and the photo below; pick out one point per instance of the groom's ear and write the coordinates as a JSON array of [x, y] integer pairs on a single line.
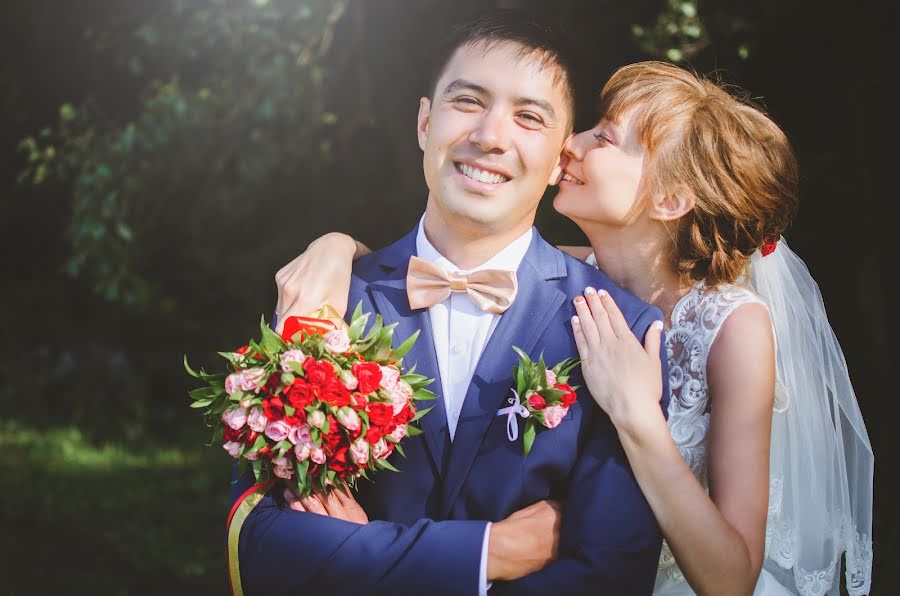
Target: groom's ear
[[672, 204], [424, 116]]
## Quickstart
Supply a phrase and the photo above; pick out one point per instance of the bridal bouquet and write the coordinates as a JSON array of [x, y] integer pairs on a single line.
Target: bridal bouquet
[[319, 406]]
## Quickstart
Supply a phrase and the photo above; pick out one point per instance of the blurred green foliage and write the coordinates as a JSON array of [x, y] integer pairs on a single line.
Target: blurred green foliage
[[255, 102]]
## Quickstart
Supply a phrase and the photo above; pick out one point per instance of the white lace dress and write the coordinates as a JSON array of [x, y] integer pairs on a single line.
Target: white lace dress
[[696, 321]]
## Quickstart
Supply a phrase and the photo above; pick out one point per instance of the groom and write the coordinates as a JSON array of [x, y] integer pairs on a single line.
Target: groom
[[491, 133]]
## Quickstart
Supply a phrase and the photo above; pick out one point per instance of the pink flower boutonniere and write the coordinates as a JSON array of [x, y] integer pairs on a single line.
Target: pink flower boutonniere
[[541, 396]]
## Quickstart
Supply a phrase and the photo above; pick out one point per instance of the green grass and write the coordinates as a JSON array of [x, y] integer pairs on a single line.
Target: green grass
[[84, 518]]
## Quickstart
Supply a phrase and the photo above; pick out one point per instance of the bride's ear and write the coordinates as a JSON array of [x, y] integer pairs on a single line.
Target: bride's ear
[[672, 204], [422, 123]]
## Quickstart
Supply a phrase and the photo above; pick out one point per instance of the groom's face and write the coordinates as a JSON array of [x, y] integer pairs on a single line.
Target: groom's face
[[492, 135]]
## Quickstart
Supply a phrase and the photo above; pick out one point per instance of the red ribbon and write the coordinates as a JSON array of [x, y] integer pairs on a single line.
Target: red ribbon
[[306, 325]]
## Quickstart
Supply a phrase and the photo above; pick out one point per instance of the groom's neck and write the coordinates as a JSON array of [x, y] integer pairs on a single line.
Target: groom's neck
[[467, 243]]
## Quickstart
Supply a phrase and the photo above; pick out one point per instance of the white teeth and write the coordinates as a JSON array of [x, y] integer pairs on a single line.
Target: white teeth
[[482, 175], [570, 178]]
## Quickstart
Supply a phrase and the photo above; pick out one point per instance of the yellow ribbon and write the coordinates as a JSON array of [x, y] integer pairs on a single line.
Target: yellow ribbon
[[238, 518]]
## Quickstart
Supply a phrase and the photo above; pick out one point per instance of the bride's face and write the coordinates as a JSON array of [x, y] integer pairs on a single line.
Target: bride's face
[[602, 176]]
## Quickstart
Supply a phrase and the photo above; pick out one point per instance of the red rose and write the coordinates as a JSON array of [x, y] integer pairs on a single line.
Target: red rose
[[297, 419], [359, 400], [335, 394], [231, 435], [338, 460], [273, 408], [537, 402], [266, 451], [334, 435], [368, 374], [380, 414], [273, 383], [373, 435], [317, 371], [299, 394], [570, 397], [405, 415], [251, 437]]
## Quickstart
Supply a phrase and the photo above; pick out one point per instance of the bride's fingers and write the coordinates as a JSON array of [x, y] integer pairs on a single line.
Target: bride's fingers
[[588, 326], [598, 312], [580, 341], [616, 320], [652, 339]]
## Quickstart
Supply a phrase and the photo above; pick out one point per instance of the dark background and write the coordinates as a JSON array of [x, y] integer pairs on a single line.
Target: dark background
[[161, 160]]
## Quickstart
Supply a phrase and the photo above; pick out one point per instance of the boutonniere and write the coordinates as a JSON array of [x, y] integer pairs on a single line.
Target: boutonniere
[[541, 396]]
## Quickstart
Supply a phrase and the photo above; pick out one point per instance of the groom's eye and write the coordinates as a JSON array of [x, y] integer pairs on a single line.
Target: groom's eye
[[530, 119], [467, 101]]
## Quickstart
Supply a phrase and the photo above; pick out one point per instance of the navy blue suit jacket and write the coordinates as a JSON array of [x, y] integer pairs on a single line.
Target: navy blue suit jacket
[[427, 522]]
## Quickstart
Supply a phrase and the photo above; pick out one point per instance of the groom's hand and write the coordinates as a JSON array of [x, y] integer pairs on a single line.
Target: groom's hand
[[524, 542], [338, 504]]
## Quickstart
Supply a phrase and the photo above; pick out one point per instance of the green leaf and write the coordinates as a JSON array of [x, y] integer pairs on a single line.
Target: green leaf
[[423, 395], [523, 356], [190, 370], [421, 413], [528, 436], [413, 431], [399, 448], [386, 465], [405, 347]]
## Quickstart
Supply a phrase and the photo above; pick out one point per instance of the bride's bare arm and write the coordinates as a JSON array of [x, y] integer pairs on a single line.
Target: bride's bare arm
[[319, 276], [718, 539]]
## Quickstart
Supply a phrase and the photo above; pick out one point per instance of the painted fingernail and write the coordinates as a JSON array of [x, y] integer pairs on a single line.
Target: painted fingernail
[[578, 299], [601, 293], [589, 290], [658, 325], [576, 320]]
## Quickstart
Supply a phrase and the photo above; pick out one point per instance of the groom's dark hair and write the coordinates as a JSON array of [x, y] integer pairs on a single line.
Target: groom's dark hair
[[538, 41]]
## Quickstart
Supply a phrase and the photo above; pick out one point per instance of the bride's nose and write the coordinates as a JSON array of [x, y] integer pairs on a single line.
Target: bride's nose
[[574, 148]]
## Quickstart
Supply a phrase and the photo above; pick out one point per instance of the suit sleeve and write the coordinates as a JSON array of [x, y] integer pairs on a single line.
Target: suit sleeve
[[282, 551], [609, 540]]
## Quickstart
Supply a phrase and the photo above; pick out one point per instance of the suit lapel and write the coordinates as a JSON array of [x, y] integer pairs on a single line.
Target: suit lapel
[[390, 298], [522, 325]]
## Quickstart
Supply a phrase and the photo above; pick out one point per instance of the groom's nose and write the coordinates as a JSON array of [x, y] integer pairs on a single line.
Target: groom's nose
[[492, 134]]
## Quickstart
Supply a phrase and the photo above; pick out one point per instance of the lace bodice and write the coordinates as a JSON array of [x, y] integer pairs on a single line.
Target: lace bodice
[[696, 321]]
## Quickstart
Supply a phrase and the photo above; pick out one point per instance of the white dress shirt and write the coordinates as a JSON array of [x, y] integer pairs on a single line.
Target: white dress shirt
[[461, 330]]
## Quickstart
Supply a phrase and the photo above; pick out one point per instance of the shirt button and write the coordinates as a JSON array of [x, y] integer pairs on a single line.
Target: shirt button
[[457, 349]]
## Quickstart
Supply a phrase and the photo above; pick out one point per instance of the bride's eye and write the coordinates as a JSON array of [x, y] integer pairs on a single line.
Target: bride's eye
[[601, 137]]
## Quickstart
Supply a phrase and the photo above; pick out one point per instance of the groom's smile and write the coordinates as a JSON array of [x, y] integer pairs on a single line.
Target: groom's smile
[[492, 135]]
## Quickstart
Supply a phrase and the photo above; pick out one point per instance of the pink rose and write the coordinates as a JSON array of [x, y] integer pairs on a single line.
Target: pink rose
[[291, 356], [349, 381], [337, 341], [359, 452], [400, 396], [317, 455], [278, 430], [553, 415], [233, 448], [251, 378], [389, 378], [398, 433], [301, 452], [257, 420], [316, 419], [233, 383], [551, 378], [348, 417], [235, 418], [245, 403], [380, 449], [252, 455], [299, 435]]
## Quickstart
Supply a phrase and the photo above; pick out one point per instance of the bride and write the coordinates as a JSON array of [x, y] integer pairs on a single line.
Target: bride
[[761, 477]]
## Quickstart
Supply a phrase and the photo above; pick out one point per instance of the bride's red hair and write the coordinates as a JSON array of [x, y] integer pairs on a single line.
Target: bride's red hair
[[733, 159]]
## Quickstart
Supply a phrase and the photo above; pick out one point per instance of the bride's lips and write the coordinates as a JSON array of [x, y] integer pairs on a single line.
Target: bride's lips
[[570, 178]]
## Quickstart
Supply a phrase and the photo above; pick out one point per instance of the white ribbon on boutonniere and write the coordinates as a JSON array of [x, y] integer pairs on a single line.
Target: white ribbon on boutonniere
[[516, 407]]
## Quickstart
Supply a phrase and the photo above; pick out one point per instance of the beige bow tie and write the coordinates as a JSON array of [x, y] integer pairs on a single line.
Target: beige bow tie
[[427, 284]]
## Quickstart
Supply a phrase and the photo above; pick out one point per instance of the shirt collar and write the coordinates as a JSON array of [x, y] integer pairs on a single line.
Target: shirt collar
[[507, 259]]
